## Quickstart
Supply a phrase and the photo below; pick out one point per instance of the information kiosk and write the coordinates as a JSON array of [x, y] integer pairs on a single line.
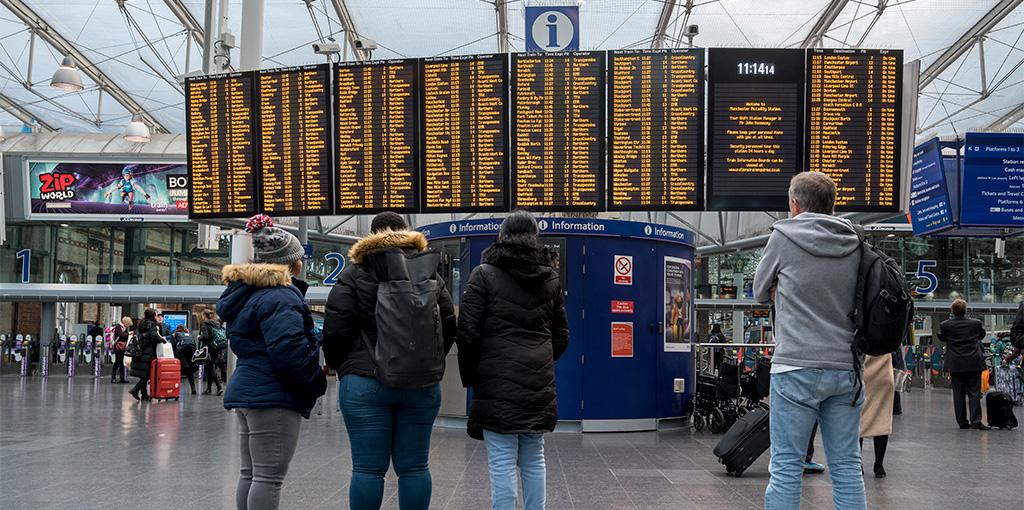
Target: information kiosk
[[629, 299]]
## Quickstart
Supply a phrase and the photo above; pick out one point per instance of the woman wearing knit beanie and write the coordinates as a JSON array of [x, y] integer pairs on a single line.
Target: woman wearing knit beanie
[[278, 377]]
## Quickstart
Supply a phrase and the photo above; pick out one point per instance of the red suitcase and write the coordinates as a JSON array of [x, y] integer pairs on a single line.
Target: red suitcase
[[165, 379]]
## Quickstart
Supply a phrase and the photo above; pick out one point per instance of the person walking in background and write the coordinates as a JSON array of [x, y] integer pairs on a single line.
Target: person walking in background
[[147, 336], [813, 377], [211, 331], [184, 348], [389, 418], [965, 362], [122, 332], [876, 417], [278, 376], [512, 329]]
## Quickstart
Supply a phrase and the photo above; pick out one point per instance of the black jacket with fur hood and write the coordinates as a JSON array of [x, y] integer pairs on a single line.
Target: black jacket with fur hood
[[352, 303], [512, 329]]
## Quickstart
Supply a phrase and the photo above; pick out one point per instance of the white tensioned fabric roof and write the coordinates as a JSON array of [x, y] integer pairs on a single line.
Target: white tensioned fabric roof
[[971, 51]]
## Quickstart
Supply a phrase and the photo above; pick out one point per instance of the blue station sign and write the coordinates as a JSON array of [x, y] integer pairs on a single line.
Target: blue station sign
[[992, 194], [564, 227], [930, 208]]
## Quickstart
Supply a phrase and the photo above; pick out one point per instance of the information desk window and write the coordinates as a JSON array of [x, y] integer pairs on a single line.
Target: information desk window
[[656, 137], [294, 154], [853, 125], [755, 122], [377, 140], [464, 119], [558, 130], [221, 119]]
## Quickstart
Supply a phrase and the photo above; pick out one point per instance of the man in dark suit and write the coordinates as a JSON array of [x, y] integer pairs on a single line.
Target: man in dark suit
[[964, 362]]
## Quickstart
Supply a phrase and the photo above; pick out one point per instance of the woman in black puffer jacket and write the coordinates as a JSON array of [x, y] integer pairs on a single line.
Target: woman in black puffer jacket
[[512, 329], [148, 335]]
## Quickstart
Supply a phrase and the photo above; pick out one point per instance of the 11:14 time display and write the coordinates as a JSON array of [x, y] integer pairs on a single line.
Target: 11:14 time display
[[755, 68]]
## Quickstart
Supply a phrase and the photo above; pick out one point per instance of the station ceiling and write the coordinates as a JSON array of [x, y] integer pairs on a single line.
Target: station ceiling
[[972, 51]]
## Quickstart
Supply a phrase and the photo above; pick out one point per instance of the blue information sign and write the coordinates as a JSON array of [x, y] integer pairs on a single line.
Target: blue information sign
[[553, 28], [930, 209], [563, 227], [992, 194]]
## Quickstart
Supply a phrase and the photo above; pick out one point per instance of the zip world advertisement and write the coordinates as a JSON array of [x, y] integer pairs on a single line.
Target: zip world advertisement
[[70, 191]]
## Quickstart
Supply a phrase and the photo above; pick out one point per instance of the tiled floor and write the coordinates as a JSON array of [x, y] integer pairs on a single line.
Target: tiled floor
[[88, 445]]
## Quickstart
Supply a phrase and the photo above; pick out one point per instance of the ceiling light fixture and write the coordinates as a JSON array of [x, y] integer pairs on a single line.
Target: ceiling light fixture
[[67, 76], [137, 130]]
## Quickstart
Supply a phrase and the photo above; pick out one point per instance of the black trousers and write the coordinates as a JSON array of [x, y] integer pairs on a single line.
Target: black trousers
[[118, 368], [142, 386], [212, 377], [967, 384], [810, 443]]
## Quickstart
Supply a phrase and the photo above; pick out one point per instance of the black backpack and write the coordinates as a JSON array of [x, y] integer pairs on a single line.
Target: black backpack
[[409, 352], [883, 308]]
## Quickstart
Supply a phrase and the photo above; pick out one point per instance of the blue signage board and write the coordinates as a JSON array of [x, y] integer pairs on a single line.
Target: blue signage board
[[992, 193], [564, 227], [552, 28], [930, 208], [174, 319]]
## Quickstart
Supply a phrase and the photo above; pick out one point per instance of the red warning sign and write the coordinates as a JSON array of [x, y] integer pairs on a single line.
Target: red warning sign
[[622, 339], [622, 306], [623, 270]]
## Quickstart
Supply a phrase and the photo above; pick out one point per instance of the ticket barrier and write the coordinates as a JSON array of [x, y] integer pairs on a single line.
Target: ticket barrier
[[60, 357], [24, 353], [97, 356], [72, 355], [4, 352]]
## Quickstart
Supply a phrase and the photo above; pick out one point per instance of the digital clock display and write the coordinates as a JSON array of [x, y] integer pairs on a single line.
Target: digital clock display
[[755, 68]]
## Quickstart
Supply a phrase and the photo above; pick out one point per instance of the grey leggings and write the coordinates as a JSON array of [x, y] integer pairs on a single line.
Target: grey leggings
[[268, 439]]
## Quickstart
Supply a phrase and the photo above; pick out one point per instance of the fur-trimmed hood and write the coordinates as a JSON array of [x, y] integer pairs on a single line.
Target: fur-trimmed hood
[[257, 275], [243, 280], [404, 239]]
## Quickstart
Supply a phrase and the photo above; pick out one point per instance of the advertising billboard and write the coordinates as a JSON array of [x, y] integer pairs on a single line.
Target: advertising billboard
[[90, 191]]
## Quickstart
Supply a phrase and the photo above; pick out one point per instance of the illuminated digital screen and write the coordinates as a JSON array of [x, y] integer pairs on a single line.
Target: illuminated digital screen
[[656, 129], [464, 133], [558, 131], [755, 121], [377, 139], [220, 120], [992, 194], [853, 125], [295, 153], [930, 207]]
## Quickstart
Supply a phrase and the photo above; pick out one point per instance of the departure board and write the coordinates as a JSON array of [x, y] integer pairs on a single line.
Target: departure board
[[755, 121], [377, 147], [295, 153], [854, 100], [558, 131], [464, 133], [221, 137], [656, 130]]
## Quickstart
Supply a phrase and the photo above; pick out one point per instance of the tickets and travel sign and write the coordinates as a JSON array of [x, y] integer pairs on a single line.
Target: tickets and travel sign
[[992, 194]]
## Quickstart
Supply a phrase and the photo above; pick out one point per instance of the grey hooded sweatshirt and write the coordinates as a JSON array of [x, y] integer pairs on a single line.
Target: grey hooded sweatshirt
[[813, 260]]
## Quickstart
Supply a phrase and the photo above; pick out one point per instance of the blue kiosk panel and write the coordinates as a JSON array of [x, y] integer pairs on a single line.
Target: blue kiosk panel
[[629, 299]]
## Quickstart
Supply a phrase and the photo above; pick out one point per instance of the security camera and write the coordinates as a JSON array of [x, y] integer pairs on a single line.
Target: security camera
[[691, 30], [326, 48], [365, 43]]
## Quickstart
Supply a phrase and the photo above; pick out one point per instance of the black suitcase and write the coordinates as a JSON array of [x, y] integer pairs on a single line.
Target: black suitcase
[[745, 441], [1000, 410]]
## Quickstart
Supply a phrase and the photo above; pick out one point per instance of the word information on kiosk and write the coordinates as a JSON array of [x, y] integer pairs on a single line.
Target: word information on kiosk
[[464, 114], [377, 144], [220, 118], [558, 131], [853, 125], [993, 180], [295, 152], [656, 143], [754, 122]]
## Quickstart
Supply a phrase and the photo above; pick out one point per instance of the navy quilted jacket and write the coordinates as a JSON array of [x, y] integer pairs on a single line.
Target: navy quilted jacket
[[270, 329]]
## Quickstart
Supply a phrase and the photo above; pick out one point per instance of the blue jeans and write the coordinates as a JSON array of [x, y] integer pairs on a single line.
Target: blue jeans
[[504, 453], [798, 399], [388, 426]]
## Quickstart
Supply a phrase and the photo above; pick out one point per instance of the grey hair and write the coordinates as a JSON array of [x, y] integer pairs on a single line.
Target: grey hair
[[814, 191]]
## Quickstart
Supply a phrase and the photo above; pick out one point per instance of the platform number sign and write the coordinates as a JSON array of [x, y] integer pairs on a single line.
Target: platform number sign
[[25, 257], [931, 282], [623, 270], [339, 261], [553, 28]]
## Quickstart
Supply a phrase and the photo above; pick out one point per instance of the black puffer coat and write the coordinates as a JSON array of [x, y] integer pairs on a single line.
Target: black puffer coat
[[352, 303], [512, 329], [149, 336]]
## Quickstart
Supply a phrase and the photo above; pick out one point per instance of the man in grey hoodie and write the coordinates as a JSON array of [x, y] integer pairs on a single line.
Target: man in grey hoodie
[[809, 271]]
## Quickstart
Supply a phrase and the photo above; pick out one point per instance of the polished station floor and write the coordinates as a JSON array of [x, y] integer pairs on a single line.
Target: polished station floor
[[87, 445]]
